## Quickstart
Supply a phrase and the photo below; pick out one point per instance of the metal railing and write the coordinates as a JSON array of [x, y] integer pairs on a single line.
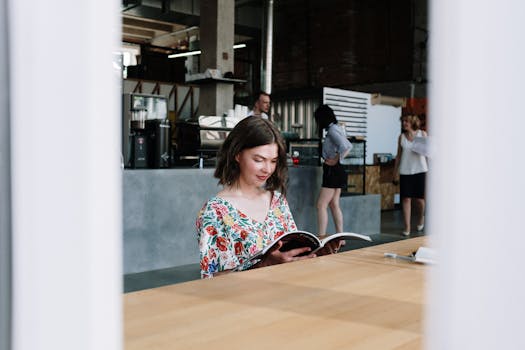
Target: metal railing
[[183, 100]]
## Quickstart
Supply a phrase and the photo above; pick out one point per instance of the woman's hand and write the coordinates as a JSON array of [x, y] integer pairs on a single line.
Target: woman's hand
[[275, 256], [395, 179], [331, 247]]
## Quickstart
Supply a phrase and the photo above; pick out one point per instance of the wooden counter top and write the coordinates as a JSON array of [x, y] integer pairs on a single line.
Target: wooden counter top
[[352, 300]]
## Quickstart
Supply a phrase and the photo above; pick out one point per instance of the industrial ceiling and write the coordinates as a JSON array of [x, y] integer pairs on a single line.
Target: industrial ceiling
[[170, 24]]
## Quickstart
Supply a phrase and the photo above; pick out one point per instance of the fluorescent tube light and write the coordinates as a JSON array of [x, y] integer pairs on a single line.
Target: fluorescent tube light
[[198, 52], [183, 54]]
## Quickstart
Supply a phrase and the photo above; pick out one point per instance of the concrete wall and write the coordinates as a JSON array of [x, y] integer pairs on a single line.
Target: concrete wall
[[160, 208], [361, 213]]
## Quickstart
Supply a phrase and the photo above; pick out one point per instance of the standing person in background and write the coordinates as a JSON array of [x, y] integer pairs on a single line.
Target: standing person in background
[[261, 105], [251, 210], [412, 168], [335, 147]]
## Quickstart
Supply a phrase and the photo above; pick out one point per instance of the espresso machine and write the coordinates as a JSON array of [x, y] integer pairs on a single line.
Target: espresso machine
[[138, 140], [158, 132], [146, 138]]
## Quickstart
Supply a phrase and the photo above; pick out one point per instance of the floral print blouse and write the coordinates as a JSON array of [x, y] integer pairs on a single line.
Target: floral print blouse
[[227, 237]]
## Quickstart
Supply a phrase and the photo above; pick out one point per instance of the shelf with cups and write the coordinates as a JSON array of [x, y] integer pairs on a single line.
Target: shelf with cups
[[303, 152]]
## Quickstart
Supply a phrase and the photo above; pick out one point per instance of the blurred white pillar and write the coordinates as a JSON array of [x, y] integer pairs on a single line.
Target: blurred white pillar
[[5, 186], [477, 193], [66, 175]]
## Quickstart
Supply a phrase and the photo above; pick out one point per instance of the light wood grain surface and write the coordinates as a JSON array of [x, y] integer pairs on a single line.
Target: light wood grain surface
[[352, 300]]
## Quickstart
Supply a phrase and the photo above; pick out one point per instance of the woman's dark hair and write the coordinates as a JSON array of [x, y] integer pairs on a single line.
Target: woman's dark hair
[[249, 133], [324, 116]]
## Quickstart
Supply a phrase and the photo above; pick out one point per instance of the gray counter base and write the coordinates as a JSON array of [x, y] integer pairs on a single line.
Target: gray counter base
[[161, 206]]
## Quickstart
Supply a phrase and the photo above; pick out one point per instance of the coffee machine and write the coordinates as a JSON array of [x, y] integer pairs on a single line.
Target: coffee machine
[[146, 131], [138, 141], [158, 132]]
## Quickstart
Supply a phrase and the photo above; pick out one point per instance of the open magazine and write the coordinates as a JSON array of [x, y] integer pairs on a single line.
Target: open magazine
[[300, 239]]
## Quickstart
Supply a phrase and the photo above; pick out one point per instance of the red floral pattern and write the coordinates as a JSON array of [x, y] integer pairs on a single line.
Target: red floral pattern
[[227, 237], [212, 231]]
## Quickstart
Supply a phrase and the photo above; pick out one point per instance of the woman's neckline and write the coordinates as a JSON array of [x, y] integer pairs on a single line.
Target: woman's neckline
[[234, 207], [408, 137]]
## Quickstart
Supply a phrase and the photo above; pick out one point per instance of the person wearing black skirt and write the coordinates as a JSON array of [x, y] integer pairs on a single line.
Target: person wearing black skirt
[[412, 168], [335, 147]]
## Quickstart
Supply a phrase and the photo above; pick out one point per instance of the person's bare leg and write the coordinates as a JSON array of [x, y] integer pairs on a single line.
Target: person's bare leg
[[420, 203], [325, 195], [335, 208], [406, 203]]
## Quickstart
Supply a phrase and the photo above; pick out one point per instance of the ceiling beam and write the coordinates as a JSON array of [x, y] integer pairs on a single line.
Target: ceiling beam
[[150, 13], [126, 21], [138, 32], [168, 16]]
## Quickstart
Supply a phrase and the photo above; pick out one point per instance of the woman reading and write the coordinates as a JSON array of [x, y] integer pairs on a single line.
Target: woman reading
[[251, 210]]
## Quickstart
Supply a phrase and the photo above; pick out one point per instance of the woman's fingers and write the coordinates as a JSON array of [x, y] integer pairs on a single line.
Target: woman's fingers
[[298, 251], [276, 247]]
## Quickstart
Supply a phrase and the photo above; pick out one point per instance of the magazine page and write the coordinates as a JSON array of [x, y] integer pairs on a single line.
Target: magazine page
[[346, 235], [299, 239]]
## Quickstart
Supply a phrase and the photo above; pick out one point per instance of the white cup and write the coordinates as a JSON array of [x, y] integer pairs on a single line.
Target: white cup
[[238, 111]]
